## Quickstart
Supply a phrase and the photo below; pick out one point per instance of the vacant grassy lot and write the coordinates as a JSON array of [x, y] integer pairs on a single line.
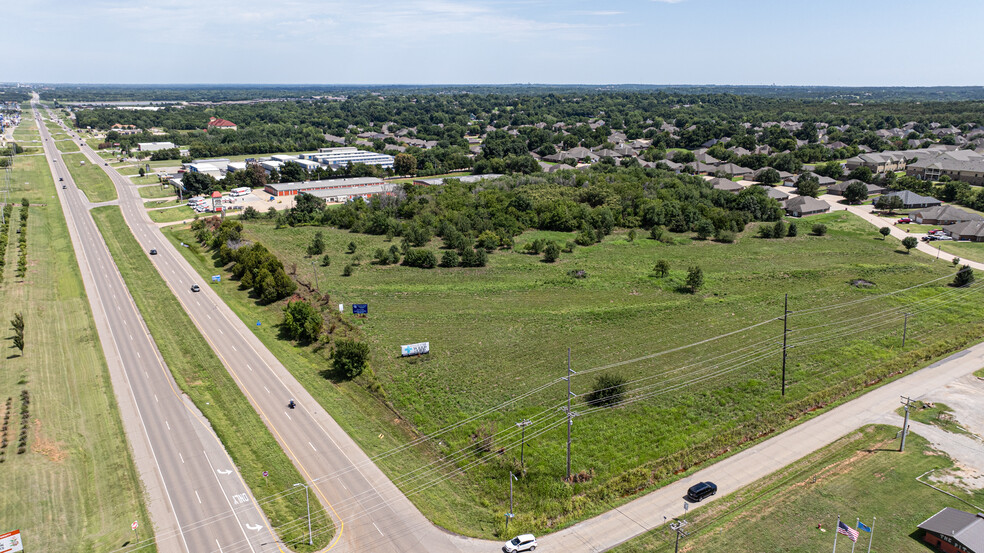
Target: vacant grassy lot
[[149, 179], [67, 146], [500, 334], [938, 414], [974, 251], [152, 192], [90, 178], [179, 213], [202, 376], [75, 489], [861, 475]]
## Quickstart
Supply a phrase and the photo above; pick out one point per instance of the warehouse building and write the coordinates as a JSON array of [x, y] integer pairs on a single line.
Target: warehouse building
[[292, 188], [154, 146], [341, 157], [955, 531]]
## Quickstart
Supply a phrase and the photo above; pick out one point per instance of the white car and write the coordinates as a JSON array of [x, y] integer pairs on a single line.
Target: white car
[[525, 542], [943, 237]]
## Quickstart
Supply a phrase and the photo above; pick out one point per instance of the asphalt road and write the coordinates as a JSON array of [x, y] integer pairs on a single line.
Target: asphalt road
[[197, 500]]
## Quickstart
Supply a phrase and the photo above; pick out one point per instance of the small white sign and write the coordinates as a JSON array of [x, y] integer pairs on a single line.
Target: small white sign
[[341, 308], [415, 349], [134, 525]]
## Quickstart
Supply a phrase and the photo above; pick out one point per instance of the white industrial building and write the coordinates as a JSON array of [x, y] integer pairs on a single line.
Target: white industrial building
[[341, 157], [154, 146], [206, 168]]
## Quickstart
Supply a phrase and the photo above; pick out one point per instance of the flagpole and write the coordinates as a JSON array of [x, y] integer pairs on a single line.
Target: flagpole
[[871, 535], [855, 541], [835, 532]]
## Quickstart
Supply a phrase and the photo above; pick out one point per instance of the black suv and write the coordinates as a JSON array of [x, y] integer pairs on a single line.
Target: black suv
[[698, 492]]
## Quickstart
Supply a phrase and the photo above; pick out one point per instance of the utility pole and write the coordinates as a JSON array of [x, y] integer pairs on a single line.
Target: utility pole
[[308, 499], [905, 326], [510, 514], [905, 425], [570, 414], [522, 441], [785, 330], [678, 528]]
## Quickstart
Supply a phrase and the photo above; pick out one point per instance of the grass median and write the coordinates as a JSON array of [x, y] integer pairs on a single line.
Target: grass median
[[861, 475], [75, 488], [200, 374], [90, 178], [66, 146]]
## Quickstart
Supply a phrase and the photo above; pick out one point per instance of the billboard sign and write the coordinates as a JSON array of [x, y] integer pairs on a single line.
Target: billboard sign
[[360, 308], [415, 349], [11, 542]]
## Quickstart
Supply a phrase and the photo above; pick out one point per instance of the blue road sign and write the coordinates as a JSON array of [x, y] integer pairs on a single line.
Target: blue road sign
[[360, 308]]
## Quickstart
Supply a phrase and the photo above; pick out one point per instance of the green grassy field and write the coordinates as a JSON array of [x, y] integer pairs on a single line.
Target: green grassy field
[[148, 179], [172, 214], [90, 178], [501, 331], [153, 192], [200, 374], [76, 488], [861, 475], [974, 251], [67, 146]]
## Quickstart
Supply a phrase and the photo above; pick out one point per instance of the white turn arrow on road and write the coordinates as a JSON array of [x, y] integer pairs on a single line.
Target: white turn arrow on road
[[254, 527], [224, 471]]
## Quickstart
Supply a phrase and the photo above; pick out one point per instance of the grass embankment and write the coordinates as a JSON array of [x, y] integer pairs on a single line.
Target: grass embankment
[[66, 146], [861, 475], [76, 488], [200, 374], [972, 251], [500, 331], [90, 178], [154, 192]]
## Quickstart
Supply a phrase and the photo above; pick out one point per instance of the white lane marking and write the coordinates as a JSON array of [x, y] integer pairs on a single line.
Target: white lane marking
[[131, 336], [378, 530], [312, 446], [157, 400], [198, 496], [218, 545], [233, 348], [180, 456], [288, 415], [209, 316], [124, 321], [138, 354], [168, 424], [267, 389], [248, 367], [220, 331]]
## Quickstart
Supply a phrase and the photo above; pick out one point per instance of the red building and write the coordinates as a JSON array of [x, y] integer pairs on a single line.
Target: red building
[[955, 531], [216, 123]]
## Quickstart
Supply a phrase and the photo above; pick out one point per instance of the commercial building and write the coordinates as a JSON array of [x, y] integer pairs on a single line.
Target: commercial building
[[437, 181], [341, 157], [206, 168], [955, 531], [292, 188], [154, 146], [216, 123], [340, 195]]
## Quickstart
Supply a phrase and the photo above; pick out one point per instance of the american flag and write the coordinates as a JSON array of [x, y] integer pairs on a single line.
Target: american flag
[[849, 532]]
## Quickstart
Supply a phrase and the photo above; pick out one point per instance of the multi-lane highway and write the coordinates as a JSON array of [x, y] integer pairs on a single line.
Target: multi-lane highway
[[369, 511], [198, 502]]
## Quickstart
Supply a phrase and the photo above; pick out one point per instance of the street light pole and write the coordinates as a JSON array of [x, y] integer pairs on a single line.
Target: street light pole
[[307, 498], [510, 514]]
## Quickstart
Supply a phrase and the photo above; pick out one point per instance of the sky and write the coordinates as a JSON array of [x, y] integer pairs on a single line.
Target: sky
[[736, 42]]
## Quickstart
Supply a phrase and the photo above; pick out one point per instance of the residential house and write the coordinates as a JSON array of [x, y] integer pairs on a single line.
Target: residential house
[[734, 170], [774, 193], [839, 188], [963, 165], [801, 206], [726, 185], [955, 531], [877, 162], [943, 215], [217, 123], [911, 200], [968, 230]]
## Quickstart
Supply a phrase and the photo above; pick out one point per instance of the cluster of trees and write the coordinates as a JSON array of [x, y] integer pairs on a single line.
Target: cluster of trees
[[302, 321], [17, 325], [779, 229], [484, 217], [8, 210], [254, 265], [22, 239]]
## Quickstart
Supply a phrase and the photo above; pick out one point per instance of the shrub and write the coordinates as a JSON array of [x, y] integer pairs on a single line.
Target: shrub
[[909, 242], [569, 247], [347, 271], [608, 390], [695, 279], [449, 259], [704, 229], [349, 358], [484, 437], [325, 261], [317, 245], [302, 321], [819, 229], [661, 269], [351, 247], [963, 277], [955, 261], [725, 236], [551, 252], [792, 230], [632, 235], [585, 238], [884, 231], [418, 257]]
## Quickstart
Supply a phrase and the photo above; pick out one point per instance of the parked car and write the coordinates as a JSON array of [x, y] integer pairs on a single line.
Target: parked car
[[699, 492], [943, 237], [195, 288], [526, 542], [904, 220]]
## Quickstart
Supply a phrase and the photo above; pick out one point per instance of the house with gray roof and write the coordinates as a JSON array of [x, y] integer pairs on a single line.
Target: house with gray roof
[[963, 165], [911, 200], [774, 193], [877, 162], [801, 206], [734, 170], [969, 230], [943, 215], [839, 188], [955, 531], [727, 185]]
